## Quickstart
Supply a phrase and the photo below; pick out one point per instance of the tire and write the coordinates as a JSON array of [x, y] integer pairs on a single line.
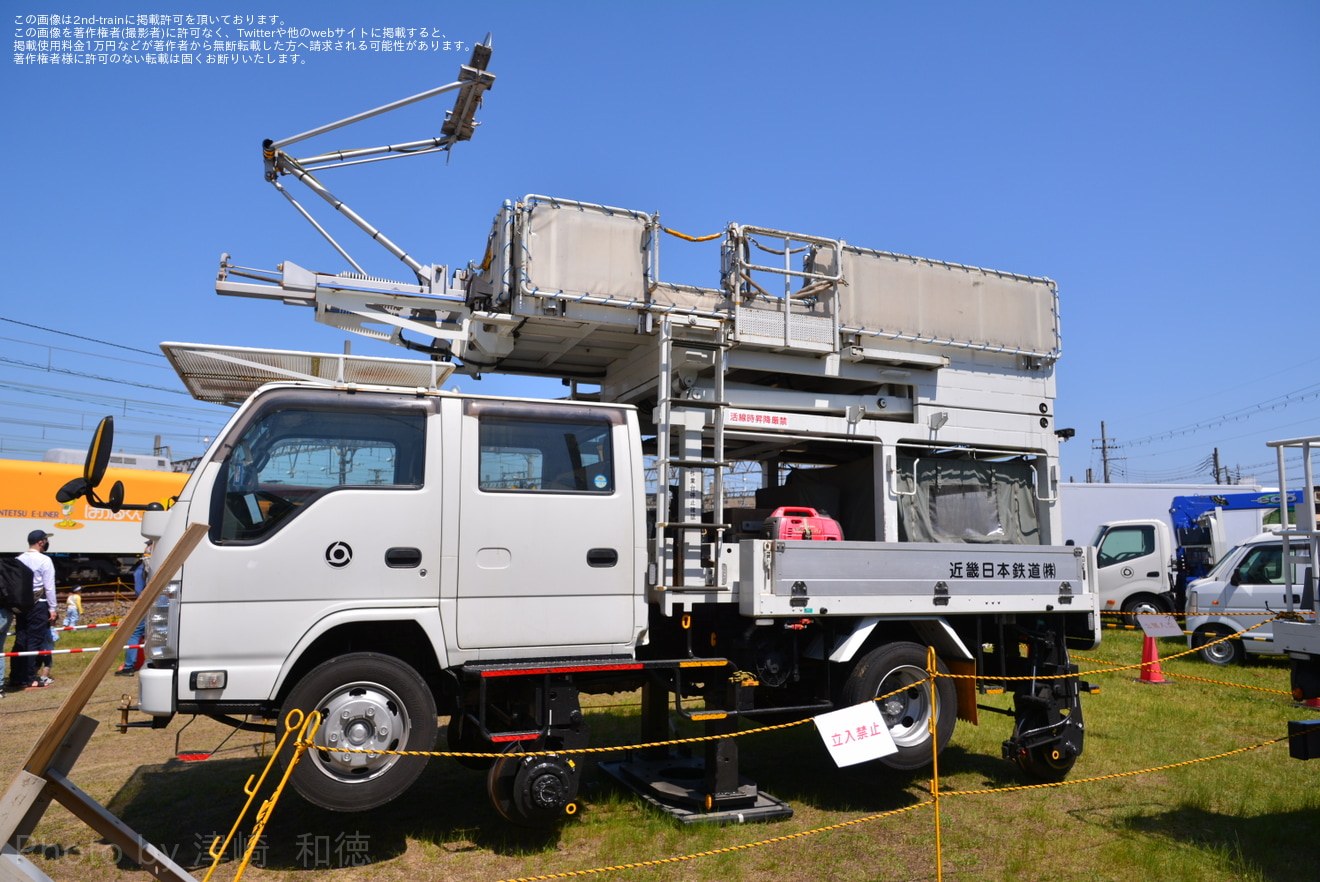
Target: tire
[[1141, 604], [1222, 654], [366, 701], [908, 712]]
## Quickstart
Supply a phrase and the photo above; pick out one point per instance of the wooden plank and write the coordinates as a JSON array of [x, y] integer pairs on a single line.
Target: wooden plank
[[96, 816], [40, 758], [69, 751], [23, 792]]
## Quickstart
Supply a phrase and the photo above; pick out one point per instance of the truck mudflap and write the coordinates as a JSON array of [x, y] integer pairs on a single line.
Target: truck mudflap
[[1049, 730]]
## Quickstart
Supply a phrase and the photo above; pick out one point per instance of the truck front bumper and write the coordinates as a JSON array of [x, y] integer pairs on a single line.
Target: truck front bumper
[[156, 691]]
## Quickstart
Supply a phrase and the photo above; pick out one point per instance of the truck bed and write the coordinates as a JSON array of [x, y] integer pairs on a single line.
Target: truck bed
[[779, 578]]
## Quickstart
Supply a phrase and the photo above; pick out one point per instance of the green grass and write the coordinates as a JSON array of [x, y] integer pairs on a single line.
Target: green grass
[[1251, 816]]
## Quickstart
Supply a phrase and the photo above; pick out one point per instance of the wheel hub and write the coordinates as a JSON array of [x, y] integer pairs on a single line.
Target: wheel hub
[[361, 717]]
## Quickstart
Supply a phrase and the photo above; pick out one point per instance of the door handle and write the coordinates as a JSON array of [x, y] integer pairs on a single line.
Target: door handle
[[403, 558], [602, 557]]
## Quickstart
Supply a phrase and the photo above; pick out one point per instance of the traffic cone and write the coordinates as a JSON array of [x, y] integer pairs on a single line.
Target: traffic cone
[[1150, 664]]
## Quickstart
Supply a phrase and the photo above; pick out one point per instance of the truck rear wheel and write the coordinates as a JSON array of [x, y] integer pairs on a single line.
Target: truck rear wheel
[[907, 713], [367, 701]]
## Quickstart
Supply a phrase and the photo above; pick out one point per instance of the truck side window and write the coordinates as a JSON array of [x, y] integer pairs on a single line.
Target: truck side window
[[287, 458], [1125, 543], [1263, 566], [535, 453]]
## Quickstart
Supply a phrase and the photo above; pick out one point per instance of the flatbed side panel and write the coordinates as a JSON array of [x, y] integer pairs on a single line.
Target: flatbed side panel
[[888, 578]]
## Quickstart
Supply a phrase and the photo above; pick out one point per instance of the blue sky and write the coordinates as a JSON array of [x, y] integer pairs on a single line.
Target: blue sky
[[1158, 160]]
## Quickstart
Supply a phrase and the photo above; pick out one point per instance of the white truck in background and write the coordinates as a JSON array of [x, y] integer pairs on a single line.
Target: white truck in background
[[1153, 539], [1264, 589], [387, 552]]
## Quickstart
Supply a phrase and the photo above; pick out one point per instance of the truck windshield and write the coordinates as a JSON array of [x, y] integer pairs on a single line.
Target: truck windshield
[[1220, 570], [1125, 543]]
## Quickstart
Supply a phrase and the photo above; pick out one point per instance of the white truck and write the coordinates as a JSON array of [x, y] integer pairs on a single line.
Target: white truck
[[387, 552], [1153, 539], [1265, 577]]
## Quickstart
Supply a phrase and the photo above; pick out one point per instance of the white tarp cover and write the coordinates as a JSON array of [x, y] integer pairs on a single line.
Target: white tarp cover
[[956, 500], [580, 250], [911, 296]]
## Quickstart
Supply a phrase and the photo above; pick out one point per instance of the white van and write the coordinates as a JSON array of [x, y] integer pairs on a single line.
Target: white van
[[1246, 588]]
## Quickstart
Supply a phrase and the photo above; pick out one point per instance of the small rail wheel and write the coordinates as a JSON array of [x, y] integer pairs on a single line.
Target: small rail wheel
[[533, 791], [1048, 762]]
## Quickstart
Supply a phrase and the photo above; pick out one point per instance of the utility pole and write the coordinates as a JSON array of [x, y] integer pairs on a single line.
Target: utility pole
[[1104, 451], [1217, 481]]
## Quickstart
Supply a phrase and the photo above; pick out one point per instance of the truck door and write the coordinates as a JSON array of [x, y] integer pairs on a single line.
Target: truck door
[[547, 529], [1256, 590], [1131, 562]]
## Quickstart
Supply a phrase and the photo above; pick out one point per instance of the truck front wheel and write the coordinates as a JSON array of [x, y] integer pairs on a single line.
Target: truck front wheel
[[900, 668], [367, 701], [1226, 652]]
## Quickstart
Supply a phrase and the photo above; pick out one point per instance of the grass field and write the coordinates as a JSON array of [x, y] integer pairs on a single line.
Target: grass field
[[1252, 815]]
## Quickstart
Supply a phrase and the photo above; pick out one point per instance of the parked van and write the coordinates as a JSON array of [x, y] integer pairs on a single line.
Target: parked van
[[1245, 589]]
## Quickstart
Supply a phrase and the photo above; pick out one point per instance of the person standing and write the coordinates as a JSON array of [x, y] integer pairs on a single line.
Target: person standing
[[135, 657], [33, 626], [73, 607], [6, 619]]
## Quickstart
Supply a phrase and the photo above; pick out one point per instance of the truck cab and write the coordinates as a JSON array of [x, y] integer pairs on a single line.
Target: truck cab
[[1134, 560], [1242, 595]]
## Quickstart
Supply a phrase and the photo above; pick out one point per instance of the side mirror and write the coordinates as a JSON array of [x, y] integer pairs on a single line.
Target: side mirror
[[1236, 578], [98, 453], [72, 490], [115, 501], [98, 459]]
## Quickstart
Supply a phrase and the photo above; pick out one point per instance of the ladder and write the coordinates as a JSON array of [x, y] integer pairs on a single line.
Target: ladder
[[681, 420]]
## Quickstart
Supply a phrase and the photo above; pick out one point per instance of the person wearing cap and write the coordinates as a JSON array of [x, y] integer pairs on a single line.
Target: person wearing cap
[[33, 626]]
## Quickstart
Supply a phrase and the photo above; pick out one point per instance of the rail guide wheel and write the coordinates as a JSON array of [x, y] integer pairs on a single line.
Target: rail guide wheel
[[534, 791]]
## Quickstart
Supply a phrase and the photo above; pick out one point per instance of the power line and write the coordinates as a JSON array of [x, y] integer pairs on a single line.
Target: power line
[[27, 365], [80, 337]]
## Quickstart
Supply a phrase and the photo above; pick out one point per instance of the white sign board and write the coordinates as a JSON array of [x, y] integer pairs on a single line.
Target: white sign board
[[855, 734], [1160, 626]]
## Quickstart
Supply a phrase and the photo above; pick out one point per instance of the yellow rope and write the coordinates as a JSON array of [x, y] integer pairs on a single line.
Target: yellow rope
[[1116, 775], [726, 850], [691, 238], [930, 802]]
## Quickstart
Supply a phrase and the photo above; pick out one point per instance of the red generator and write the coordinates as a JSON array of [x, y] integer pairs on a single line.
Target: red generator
[[792, 522]]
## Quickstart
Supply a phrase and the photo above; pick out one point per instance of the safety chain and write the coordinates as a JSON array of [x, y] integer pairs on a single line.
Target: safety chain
[[696, 739], [1190, 762], [306, 732], [726, 850], [1115, 665]]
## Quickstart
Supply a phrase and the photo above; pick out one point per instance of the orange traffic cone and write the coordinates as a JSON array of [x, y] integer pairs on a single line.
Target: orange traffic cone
[[1150, 664]]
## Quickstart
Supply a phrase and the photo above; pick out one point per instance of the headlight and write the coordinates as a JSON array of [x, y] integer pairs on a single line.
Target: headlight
[[162, 624], [1192, 608]]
